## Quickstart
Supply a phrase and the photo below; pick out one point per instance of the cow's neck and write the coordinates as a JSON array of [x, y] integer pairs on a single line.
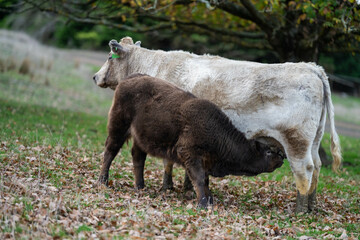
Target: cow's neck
[[158, 63]]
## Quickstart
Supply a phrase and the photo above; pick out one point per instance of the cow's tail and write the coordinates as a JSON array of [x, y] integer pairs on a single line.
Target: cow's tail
[[335, 142]]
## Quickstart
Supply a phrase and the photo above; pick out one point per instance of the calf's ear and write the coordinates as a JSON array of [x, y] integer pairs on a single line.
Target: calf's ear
[[138, 43], [258, 145], [116, 47]]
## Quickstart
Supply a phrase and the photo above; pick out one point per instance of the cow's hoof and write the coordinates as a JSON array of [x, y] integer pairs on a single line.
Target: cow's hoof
[[301, 203], [312, 201]]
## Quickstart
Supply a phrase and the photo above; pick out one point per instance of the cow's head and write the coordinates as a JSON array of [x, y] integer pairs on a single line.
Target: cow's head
[[115, 67]]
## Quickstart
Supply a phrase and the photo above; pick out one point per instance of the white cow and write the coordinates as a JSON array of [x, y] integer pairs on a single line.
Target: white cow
[[281, 104]]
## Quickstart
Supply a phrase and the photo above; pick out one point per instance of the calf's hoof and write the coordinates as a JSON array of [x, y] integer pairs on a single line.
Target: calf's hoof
[[205, 202], [188, 187], [103, 180], [167, 186], [140, 186], [164, 188], [167, 182]]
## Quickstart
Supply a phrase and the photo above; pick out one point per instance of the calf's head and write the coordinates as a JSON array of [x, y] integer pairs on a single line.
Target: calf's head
[[265, 159], [116, 66]]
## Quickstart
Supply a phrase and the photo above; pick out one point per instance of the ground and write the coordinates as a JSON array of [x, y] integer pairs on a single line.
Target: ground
[[53, 129]]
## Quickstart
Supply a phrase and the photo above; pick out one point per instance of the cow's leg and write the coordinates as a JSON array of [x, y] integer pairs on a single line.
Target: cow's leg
[[303, 170], [138, 157], [317, 162], [315, 177], [112, 146], [298, 151], [167, 179]]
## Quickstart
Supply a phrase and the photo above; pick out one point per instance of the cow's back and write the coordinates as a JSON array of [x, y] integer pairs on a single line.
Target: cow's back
[[258, 97]]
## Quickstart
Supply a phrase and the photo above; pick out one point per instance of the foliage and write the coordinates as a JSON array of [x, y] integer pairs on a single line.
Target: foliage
[[295, 30]]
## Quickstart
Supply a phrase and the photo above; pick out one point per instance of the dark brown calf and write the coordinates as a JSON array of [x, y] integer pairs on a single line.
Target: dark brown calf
[[169, 123]]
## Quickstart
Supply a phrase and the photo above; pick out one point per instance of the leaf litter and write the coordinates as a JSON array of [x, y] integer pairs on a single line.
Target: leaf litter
[[52, 192]]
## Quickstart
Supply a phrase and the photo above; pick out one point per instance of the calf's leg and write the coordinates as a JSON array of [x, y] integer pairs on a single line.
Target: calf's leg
[[187, 183], [138, 157], [207, 190], [200, 181], [118, 132], [112, 147], [167, 179]]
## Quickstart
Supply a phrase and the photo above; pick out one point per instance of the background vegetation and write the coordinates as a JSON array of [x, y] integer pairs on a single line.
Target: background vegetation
[[321, 31]]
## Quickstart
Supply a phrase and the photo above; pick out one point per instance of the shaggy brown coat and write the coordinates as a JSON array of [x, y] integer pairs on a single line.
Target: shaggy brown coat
[[167, 122]]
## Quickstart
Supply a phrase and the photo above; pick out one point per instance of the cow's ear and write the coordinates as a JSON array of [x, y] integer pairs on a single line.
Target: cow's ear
[[116, 48], [138, 43]]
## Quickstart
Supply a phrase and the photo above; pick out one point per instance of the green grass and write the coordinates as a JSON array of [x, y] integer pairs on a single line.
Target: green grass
[[50, 126], [69, 93], [347, 101]]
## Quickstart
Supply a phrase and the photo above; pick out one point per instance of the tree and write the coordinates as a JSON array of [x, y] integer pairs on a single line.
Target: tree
[[294, 30]]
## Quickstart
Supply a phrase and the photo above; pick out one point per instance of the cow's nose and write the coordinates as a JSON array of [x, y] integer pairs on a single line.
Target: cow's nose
[[95, 78]]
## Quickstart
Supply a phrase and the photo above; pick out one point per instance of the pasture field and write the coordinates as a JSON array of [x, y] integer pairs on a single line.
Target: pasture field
[[52, 133]]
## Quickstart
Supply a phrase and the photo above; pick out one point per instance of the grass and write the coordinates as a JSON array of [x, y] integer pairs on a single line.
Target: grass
[[347, 109], [348, 101], [50, 126], [51, 143]]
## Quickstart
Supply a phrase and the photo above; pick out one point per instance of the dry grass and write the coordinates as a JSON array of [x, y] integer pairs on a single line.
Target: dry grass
[[25, 66]]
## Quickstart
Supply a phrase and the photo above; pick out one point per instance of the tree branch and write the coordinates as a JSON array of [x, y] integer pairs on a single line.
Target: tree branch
[[234, 9], [100, 21], [221, 31], [258, 18]]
